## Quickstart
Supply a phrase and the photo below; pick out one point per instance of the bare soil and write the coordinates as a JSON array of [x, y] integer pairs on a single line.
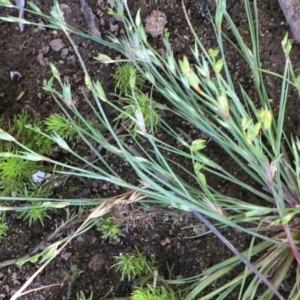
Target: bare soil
[[157, 232]]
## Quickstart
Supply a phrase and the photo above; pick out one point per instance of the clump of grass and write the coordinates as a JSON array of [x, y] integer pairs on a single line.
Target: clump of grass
[[127, 78], [137, 268], [133, 265], [81, 296], [109, 228], [20, 128], [139, 112], [34, 212], [153, 293], [201, 91], [15, 172], [57, 124]]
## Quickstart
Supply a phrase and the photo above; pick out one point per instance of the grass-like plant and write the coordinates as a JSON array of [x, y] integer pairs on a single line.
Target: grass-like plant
[[81, 296], [16, 173], [139, 112], [20, 127], [127, 78], [56, 124], [71, 278], [139, 269], [133, 265], [153, 293], [109, 228], [35, 213], [200, 90], [206, 96]]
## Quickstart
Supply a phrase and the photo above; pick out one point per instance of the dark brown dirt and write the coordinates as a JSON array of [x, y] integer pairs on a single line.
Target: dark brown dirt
[[163, 236]]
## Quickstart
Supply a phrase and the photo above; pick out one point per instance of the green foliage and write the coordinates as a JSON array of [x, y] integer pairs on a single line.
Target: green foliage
[[71, 276], [109, 228], [141, 112], [153, 293], [3, 226], [58, 124], [66, 129], [127, 78], [15, 168], [133, 265], [204, 93], [74, 188], [35, 213], [81, 296], [20, 128], [15, 172]]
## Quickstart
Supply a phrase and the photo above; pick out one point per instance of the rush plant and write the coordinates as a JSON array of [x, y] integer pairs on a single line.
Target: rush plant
[[199, 89]]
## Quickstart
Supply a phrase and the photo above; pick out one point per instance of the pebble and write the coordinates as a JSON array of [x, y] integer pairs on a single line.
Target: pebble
[[97, 261], [64, 53], [155, 23], [56, 45]]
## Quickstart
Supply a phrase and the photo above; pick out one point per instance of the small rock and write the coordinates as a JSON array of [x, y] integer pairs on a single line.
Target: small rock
[[40, 59], [56, 45], [114, 20], [115, 240], [114, 28], [105, 186], [65, 255], [40, 27], [45, 49], [199, 229], [65, 9], [155, 23], [97, 262], [64, 53]]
